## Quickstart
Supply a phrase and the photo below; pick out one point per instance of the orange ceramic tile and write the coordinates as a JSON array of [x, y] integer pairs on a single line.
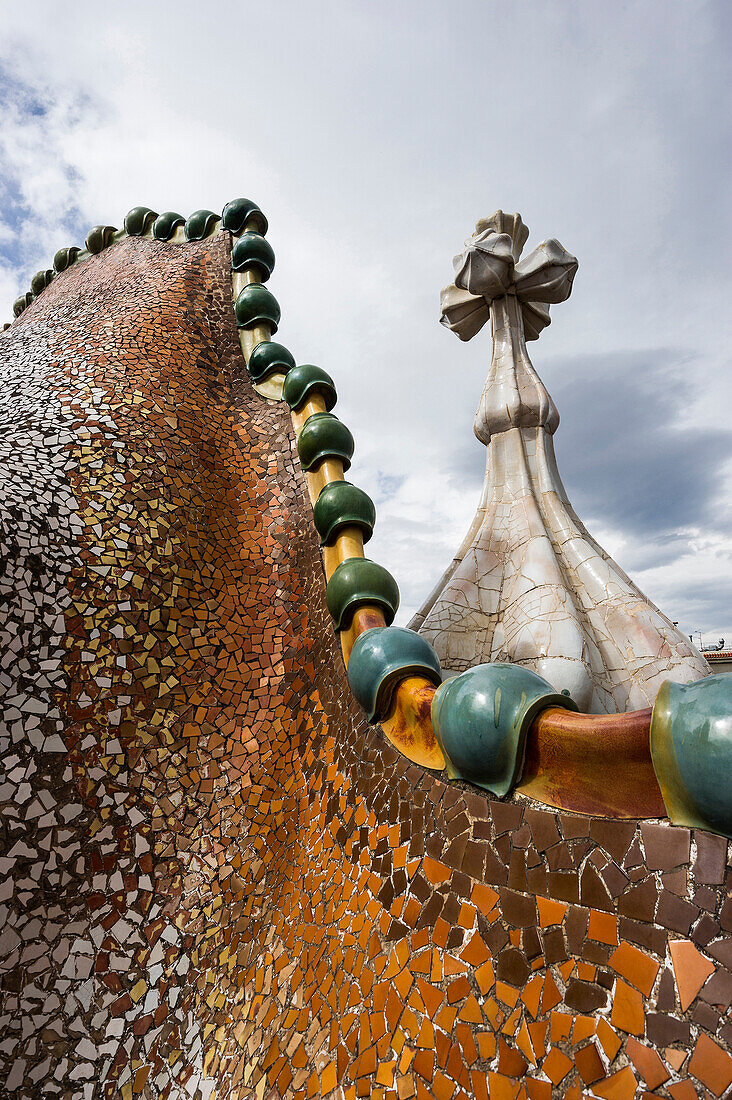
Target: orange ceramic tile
[[538, 1090], [627, 1011], [328, 1079], [560, 1026], [435, 872], [475, 952], [523, 1042], [675, 1058], [506, 994], [556, 1066], [711, 1065], [454, 966], [638, 968], [510, 1061], [683, 1090], [492, 1013], [501, 1087], [484, 897], [550, 912], [457, 990], [610, 1040], [531, 994], [486, 1045], [647, 1063], [589, 1064], [512, 1022], [620, 1086], [424, 1063], [584, 1027], [470, 1011], [691, 970], [550, 995], [485, 977], [537, 1031], [431, 996], [466, 916], [603, 927]]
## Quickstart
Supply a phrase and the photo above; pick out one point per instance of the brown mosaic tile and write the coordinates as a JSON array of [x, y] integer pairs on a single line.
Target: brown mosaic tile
[[639, 902], [665, 847], [711, 858], [675, 913]]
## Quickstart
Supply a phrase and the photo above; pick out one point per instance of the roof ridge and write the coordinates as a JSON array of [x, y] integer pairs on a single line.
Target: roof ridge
[[142, 221]]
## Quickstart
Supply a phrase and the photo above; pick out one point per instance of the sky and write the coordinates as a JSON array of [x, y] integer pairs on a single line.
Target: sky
[[374, 135]]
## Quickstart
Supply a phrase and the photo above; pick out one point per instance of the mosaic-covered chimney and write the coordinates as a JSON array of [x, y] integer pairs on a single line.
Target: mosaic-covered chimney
[[529, 585]]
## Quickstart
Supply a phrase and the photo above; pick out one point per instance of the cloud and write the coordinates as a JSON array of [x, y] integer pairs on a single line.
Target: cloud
[[374, 136], [627, 454]]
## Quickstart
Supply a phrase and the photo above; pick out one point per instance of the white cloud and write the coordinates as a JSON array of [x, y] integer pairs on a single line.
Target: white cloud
[[374, 135]]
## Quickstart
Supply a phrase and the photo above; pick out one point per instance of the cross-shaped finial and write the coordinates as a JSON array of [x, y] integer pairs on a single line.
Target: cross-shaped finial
[[489, 268], [492, 281]]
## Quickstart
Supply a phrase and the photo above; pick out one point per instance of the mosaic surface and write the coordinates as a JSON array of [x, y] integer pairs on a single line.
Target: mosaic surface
[[217, 879]]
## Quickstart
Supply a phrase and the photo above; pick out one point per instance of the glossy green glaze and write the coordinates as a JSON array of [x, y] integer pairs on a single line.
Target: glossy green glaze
[[253, 252], [381, 658], [324, 436], [356, 582], [306, 379], [238, 212], [691, 749], [201, 224], [22, 303], [256, 305], [268, 358], [481, 719], [138, 221], [166, 224], [98, 238], [40, 281], [340, 505], [65, 257]]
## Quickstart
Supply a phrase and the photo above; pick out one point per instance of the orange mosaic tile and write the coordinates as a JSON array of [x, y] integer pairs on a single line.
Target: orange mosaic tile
[[550, 912], [647, 1063], [627, 1013], [711, 1065], [691, 970], [620, 1086], [603, 927], [584, 1027], [589, 1064], [683, 1090], [636, 967], [556, 1066], [675, 1058], [610, 1040]]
